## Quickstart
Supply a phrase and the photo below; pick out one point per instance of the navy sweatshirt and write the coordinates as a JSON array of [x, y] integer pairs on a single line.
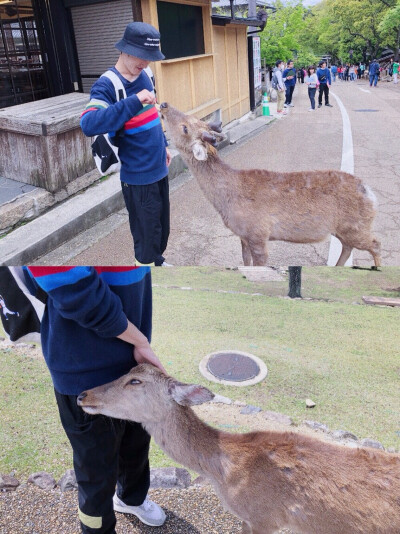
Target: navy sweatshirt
[[292, 81], [324, 75], [87, 307], [142, 146]]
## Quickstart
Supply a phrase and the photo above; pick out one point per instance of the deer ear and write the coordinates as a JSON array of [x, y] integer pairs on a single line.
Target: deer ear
[[199, 151], [190, 394]]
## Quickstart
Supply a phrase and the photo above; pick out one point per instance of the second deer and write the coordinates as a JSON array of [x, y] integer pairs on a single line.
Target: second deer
[[261, 205], [270, 480]]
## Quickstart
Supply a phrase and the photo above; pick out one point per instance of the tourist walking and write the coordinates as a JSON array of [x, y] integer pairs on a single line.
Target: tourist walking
[[324, 78], [279, 86], [289, 76], [373, 73], [312, 83], [334, 71]]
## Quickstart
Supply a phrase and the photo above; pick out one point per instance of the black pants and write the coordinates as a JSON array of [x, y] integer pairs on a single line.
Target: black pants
[[289, 94], [323, 90], [106, 452], [148, 208], [311, 95]]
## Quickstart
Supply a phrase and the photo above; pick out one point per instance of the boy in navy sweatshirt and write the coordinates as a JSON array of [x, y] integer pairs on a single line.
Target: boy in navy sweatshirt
[[142, 144], [96, 327]]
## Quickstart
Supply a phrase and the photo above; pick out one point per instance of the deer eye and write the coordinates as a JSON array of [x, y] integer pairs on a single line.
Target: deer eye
[[185, 129], [134, 382]]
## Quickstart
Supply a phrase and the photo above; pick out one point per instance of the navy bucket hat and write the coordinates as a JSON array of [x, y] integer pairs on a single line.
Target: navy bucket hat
[[141, 40]]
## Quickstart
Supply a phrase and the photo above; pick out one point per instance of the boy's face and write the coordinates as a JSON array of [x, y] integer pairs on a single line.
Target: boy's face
[[134, 65]]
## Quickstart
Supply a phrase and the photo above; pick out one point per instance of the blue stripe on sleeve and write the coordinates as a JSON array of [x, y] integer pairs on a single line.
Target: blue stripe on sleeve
[[124, 278], [52, 281]]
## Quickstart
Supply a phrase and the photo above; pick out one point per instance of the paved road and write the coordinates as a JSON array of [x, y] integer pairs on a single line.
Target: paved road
[[301, 141]]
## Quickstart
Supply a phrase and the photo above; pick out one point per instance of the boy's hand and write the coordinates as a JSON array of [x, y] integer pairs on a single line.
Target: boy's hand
[[146, 97]]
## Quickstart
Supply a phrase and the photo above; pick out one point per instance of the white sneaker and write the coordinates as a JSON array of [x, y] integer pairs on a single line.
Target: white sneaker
[[148, 513], [311, 109], [291, 105], [285, 105], [165, 264]]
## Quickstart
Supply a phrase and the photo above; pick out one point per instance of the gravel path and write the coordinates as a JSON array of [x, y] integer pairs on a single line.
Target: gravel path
[[196, 510]]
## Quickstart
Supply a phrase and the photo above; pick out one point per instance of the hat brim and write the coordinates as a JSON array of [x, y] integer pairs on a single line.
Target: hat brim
[[147, 55]]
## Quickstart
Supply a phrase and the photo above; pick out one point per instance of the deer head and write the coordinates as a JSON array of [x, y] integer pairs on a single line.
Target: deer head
[[144, 395], [192, 136]]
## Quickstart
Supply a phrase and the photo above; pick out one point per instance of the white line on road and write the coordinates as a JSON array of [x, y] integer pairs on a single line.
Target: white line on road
[[364, 90], [347, 165]]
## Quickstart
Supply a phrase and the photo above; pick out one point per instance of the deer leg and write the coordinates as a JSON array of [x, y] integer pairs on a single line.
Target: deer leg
[[246, 253], [259, 252], [375, 251], [345, 255]]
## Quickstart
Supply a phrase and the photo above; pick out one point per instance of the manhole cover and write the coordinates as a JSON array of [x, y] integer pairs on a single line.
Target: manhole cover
[[367, 110], [232, 366]]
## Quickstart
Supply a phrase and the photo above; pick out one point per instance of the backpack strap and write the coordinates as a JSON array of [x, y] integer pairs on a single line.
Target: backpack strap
[[120, 92], [150, 74]]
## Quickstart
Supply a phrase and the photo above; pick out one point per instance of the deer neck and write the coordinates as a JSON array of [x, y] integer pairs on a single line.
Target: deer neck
[[216, 179], [189, 441]]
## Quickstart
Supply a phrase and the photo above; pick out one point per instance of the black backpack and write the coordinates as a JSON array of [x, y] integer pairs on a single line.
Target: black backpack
[[21, 312]]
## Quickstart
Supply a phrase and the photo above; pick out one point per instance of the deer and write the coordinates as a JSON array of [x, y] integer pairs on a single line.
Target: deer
[[259, 205], [269, 479]]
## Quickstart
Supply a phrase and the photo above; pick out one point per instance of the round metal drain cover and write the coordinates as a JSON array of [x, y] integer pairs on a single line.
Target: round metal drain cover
[[232, 366]]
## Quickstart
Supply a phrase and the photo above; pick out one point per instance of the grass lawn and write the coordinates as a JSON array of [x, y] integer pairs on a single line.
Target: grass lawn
[[343, 355]]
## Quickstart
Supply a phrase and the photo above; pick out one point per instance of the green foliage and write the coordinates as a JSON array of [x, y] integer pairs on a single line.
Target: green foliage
[[280, 39], [332, 27]]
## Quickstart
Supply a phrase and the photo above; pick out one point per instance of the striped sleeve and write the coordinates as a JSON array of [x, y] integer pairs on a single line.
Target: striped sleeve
[[79, 294], [103, 114]]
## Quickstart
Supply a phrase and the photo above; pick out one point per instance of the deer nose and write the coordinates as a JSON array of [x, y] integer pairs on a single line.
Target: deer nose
[[81, 397], [164, 105]]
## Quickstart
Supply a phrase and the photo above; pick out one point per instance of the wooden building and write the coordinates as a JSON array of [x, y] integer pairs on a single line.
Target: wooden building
[[54, 48]]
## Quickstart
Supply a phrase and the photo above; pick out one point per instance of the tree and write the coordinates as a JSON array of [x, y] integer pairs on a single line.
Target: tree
[[280, 37], [390, 28]]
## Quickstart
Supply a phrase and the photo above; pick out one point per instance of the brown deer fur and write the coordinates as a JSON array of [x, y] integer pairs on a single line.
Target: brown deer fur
[[261, 205], [270, 480]]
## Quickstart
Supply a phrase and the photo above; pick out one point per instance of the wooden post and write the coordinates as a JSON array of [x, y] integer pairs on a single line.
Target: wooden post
[[294, 282]]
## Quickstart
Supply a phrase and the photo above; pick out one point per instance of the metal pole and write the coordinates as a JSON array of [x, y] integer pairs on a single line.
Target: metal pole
[[295, 283]]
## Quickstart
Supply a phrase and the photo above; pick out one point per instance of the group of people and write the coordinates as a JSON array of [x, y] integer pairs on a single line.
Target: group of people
[[284, 80]]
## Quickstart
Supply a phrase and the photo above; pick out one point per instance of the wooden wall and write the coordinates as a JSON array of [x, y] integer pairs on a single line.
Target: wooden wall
[[216, 80], [231, 63]]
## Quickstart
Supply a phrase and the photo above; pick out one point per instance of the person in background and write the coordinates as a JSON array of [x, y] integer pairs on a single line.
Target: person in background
[[97, 326], [334, 70], [142, 147], [324, 78], [352, 73], [279, 85], [312, 83], [395, 68], [374, 73], [289, 76]]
